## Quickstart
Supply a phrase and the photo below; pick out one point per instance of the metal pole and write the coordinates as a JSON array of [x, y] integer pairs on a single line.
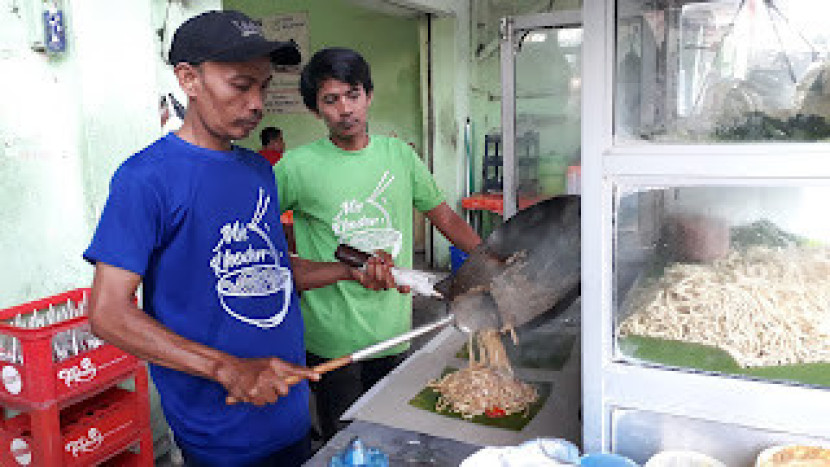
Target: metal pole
[[508, 117], [468, 166], [430, 110]]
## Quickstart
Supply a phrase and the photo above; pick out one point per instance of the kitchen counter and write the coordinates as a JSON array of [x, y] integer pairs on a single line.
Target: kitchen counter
[[403, 447], [387, 403]]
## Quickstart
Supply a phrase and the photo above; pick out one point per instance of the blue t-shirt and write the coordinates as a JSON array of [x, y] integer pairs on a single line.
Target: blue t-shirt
[[202, 228]]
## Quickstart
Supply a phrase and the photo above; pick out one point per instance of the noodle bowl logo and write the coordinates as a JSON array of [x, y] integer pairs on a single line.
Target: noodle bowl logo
[[84, 444], [246, 265], [81, 373], [366, 225]]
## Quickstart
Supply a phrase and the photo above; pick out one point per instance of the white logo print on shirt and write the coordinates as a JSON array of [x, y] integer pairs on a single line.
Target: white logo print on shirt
[[246, 264], [366, 225]]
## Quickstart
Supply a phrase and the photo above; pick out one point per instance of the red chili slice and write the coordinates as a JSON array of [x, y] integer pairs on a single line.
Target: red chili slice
[[495, 412]]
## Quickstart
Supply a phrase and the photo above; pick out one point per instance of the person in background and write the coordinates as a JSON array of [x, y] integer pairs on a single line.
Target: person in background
[[193, 219], [272, 144], [371, 185]]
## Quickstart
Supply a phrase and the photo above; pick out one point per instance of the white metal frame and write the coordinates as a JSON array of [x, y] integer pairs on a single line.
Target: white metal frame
[[608, 384]]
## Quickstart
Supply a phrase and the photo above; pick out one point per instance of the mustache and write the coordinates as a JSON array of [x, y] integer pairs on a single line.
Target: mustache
[[253, 119], [349, 122]]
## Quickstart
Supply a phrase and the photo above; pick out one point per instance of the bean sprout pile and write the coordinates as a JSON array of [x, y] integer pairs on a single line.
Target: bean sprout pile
[[764, 306], [487, 384]]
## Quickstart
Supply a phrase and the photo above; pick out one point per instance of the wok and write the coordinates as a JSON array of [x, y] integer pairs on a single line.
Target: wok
[[526, 269], [522, 271]]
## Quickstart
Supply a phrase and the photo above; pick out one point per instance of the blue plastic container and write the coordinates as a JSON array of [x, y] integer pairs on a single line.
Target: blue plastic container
[[357, 454], [457, 257], [606, 460]]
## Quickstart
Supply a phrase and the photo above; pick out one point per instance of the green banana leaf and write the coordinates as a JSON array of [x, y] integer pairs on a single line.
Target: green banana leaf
[[428, 397], [708, 358]]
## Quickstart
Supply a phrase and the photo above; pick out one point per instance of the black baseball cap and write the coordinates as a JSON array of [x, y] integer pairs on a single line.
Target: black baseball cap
[[227, 36]]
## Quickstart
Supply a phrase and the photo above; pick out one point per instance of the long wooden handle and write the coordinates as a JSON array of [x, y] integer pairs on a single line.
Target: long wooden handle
[[324, 367]]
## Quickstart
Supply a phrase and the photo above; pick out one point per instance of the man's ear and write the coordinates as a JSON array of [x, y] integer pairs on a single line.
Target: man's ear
[[188, 76]]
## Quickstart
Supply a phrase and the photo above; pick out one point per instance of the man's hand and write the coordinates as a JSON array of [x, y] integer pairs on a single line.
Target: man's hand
[[259, 381], [377, 275]]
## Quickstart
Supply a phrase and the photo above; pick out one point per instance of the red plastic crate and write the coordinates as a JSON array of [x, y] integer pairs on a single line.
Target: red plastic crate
[[100, 428], [39, 380], [128, 458], [64, 381], [494, 202]]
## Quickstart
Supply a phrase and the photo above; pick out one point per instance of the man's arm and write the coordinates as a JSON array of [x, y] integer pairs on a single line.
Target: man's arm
[[116, 319], [456, 229], [288, 229]]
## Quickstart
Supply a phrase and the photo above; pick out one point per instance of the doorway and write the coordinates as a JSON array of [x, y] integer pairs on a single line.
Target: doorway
[[541, 63]]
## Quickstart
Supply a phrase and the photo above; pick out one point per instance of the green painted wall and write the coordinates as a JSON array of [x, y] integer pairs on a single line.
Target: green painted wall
[[451, 101], [389, 44]]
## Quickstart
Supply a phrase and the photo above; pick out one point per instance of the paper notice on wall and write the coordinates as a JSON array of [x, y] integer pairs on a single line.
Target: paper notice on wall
[[283, 93], [284, 101]]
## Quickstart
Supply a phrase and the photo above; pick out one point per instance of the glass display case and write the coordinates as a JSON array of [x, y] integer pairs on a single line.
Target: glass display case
[[732, 280], [728, 70], [705, 262]]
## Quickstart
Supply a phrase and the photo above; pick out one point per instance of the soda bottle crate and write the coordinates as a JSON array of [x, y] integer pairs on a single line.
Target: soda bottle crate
[[131, 458], [49, 356], [104, 428]]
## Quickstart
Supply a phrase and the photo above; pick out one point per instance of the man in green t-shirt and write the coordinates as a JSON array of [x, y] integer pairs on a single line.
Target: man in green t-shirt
[[356, 189]]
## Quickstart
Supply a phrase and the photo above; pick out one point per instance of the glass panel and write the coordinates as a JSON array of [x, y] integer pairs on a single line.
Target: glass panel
[[548, 69], [640, 434], [728, 70], [727, 279]]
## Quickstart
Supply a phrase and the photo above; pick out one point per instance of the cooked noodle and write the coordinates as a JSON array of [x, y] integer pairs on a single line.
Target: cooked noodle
[[763, 306], [487, 383]]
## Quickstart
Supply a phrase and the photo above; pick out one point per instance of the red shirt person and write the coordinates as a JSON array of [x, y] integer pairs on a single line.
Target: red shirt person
[[272, 144]]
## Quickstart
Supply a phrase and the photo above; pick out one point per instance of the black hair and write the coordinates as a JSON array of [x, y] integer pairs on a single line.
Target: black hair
[[341, 64], [269, 134]]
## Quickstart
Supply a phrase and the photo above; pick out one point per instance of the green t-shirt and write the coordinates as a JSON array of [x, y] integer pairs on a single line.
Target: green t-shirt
[[364, 199]]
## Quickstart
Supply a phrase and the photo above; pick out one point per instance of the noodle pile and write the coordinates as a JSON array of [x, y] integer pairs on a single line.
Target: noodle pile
[[487, 384], [763, 306], [794, 456]]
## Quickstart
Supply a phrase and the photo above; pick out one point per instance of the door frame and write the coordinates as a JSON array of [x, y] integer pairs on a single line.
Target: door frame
[[511, 30]]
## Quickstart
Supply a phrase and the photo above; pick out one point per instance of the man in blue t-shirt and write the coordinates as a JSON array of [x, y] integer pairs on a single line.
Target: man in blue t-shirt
[[195, 219]]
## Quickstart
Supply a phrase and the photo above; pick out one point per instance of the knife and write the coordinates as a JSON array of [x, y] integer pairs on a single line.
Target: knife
[[420, 282]]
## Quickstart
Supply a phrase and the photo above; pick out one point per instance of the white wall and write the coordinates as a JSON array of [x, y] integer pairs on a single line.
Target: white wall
[[66, 122]]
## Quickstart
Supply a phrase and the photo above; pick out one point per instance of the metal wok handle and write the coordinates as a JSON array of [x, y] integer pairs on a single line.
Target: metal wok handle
[[362, 354], [407, 336]]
